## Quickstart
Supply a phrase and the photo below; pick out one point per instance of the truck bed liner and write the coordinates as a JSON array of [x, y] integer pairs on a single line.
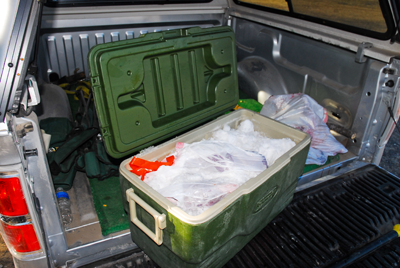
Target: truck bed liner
[[386, 256], [327, 222]]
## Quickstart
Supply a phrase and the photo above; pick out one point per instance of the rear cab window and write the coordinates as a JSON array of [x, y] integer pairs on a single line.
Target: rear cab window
[[69, 3], [367, 17]]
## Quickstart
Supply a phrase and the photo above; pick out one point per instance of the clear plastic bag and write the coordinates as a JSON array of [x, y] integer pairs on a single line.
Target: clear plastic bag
[[246, 138], [196, 197], [221, 156], [302, 112], [203, 173], [206, 171]]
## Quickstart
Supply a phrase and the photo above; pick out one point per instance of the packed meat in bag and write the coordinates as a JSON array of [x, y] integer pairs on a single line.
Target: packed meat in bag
[[203, 173], [304, 113], [206, 171]]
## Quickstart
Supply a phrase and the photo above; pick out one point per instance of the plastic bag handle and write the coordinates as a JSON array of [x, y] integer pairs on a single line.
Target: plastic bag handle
[[159, 219]]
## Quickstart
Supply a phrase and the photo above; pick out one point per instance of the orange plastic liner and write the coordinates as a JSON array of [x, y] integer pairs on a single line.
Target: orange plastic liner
[[141, 167]]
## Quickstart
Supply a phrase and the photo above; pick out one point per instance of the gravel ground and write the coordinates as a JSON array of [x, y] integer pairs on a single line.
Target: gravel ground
[[390, 161], [5, 256]]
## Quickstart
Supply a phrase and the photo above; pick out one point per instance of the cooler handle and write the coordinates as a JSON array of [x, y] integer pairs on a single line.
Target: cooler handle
[[159, 219]]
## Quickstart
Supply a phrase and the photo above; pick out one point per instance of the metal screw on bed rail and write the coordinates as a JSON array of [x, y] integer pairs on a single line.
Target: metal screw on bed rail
[[389, 83]]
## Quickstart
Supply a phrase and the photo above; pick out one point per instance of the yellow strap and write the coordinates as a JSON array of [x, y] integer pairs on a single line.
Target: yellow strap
[[87, 83], [69, 92], [397, 229], [63, 85], [84, 88], [85, 91]]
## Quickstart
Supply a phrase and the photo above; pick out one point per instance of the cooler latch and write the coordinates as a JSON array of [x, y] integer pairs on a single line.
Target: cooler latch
[[159, 219]]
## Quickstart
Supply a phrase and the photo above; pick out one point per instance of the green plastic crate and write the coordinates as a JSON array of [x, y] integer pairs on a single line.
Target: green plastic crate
[[160, 84], [172, 238]]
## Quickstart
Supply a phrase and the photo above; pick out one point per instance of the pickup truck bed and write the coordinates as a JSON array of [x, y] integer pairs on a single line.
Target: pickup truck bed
[[354, 75]]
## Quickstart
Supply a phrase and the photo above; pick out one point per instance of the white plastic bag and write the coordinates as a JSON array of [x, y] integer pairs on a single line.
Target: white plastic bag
[[246, 138], [206, 171], [302, 112], [203, 173], [221, 156], [196, 197]]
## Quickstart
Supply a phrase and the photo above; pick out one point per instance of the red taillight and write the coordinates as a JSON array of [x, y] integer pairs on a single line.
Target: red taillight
[[16, 226], [21, 237], [12, 201]]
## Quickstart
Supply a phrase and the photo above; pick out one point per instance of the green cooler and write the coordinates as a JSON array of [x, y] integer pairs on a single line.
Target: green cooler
[[161, 84]]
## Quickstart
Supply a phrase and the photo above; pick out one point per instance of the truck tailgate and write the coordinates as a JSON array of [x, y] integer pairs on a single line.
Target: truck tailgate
[[328, 222]]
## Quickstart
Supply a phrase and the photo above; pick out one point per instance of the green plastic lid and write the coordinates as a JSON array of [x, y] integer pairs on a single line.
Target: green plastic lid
[[158, 85]]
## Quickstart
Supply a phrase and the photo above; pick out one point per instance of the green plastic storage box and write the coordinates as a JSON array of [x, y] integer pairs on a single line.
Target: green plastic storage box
[[160, 84], [172, 238]]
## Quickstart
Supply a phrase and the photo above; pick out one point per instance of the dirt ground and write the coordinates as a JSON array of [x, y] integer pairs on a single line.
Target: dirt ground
[[6, 260]]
